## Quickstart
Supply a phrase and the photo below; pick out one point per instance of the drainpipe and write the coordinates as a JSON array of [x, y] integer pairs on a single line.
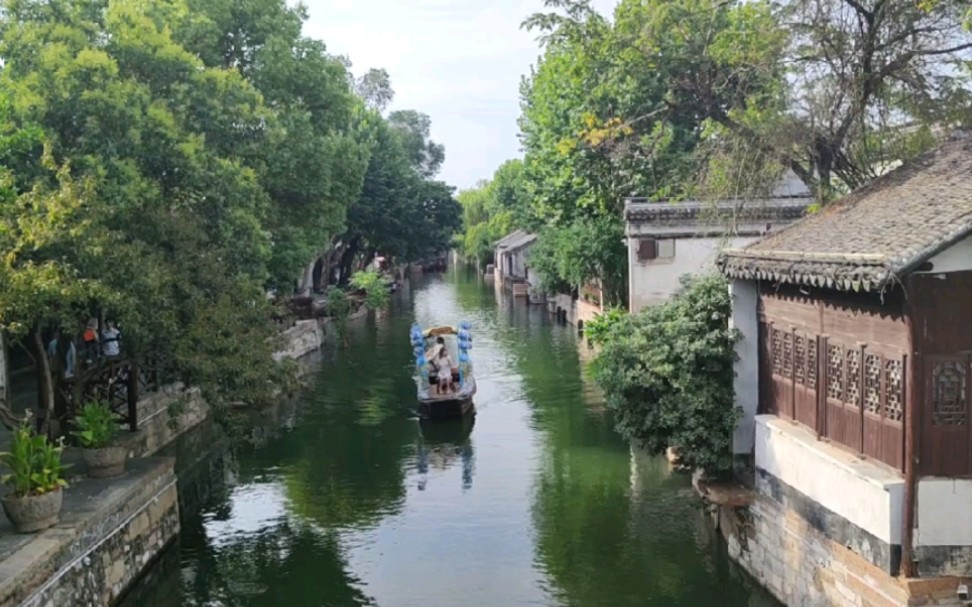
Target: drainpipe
[[912, 363]]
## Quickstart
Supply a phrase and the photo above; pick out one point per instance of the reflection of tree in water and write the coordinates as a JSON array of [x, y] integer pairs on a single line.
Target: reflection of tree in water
[[343, 464], [340, 466], [281, 564], [613, 527]]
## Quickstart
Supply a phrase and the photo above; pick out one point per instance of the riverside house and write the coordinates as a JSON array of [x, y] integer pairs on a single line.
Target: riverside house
[[854, 376], [667, 240], [512, 263]]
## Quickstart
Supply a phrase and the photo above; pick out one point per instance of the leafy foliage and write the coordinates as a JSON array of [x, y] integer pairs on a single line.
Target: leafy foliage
[[34, 463], [601, 326], [569, 257], [166, 163], [493, 209], [97, 425], [374, 286], [339, 309], [833, 90], [667, 374]]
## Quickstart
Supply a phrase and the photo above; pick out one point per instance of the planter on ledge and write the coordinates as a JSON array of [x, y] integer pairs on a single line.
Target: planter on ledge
[[106, 462], [34, 513]]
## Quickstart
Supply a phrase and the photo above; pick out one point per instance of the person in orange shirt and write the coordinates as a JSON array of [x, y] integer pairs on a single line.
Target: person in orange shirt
[[90, 341]]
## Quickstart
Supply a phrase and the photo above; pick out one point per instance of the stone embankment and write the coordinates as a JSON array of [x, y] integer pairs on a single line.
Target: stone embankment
[[112, 530]]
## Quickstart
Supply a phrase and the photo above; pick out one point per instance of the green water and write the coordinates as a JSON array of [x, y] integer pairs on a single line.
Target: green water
[[354, 502]]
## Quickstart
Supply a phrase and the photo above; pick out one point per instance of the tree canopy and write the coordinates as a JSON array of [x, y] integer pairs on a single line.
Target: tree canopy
[[492, 209], [167, 163], [669, 99]]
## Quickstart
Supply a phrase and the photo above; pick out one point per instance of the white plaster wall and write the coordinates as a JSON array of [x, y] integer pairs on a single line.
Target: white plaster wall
[[585, 312], [957, 258], [746, 383], [866, 494], [531, 278], [653, 282], [521, 259], [944, 512]]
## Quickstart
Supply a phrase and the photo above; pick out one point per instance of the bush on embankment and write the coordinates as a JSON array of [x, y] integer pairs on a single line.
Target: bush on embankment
[[667, 374]]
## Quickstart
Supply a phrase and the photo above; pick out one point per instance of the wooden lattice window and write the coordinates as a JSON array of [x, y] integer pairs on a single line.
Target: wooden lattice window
[[799, 359], [835, 372], [852, 395], [893, 387], [777, 345], [872, 383], [787, 354], [812, 363], [949, 398]]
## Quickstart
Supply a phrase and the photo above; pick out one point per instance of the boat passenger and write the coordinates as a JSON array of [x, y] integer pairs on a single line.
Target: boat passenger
[[443, 367], [433, 352]]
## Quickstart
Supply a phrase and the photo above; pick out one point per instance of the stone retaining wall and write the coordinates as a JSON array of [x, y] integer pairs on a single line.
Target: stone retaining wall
[[110, 530], [304, 337], [802, 567], [165, 415]]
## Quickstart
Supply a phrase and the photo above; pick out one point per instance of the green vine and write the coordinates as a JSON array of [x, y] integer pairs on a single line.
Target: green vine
[[667, 374]]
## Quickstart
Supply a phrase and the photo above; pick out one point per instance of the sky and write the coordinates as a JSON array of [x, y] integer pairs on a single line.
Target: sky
[[459, 61]]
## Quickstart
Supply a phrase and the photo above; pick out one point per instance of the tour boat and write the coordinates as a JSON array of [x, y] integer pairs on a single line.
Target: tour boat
[[457, 401]]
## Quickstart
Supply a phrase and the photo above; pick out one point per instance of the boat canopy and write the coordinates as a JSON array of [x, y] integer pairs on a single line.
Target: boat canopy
[[436, 331]]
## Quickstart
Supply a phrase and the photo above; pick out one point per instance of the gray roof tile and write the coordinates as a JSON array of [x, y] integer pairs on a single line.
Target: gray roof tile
[[875, 235]]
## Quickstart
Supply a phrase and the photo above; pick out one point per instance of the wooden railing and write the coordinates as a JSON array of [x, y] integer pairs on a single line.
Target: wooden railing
[[119, 381]]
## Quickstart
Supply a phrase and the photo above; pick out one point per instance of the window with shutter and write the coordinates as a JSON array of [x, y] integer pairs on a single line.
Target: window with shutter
[[647, 249]]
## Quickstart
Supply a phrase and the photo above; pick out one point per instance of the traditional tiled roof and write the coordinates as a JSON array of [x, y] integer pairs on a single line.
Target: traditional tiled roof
[[877, 234], [519, 241], [639, 211], [504, 241]]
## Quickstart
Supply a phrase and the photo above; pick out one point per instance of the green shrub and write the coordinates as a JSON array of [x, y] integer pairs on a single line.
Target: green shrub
[[599, 329], [667, 374], [97, 425], [34, 463], [374, 286]]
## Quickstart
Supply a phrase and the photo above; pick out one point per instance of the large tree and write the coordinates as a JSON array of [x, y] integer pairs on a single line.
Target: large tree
[[493, 209], [311, 161], [834, 90], [165, 162]]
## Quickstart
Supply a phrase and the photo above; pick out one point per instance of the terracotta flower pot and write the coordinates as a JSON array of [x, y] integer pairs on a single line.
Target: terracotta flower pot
[[105, 462], [34, 512]]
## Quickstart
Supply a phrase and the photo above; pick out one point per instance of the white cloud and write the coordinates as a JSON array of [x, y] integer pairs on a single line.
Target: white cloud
[[459, 61]]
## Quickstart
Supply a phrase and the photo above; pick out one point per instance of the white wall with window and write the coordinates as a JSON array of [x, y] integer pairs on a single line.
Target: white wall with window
[[656, 264]]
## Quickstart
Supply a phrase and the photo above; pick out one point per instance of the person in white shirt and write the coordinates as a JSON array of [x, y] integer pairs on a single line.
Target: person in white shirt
[[443, 367], [110, 340]]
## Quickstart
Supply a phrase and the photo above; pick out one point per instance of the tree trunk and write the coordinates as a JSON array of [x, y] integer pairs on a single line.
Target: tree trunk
[[347, 261], [4, 371], [7, 418], [330, 258], [46, 396], [307, 280], [319, 266], [370, 257]]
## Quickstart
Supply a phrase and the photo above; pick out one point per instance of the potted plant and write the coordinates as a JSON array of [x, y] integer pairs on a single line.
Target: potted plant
[[36, 476], [97, 425]]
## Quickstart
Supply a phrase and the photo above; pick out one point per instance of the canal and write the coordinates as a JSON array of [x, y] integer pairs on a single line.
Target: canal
[[354, 502]]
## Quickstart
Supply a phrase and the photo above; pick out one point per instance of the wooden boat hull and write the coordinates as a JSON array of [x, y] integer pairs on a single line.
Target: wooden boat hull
[[445, 408]]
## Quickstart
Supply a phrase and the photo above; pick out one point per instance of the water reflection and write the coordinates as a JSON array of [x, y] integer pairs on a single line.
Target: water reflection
[[536, 501], [441, 444]]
